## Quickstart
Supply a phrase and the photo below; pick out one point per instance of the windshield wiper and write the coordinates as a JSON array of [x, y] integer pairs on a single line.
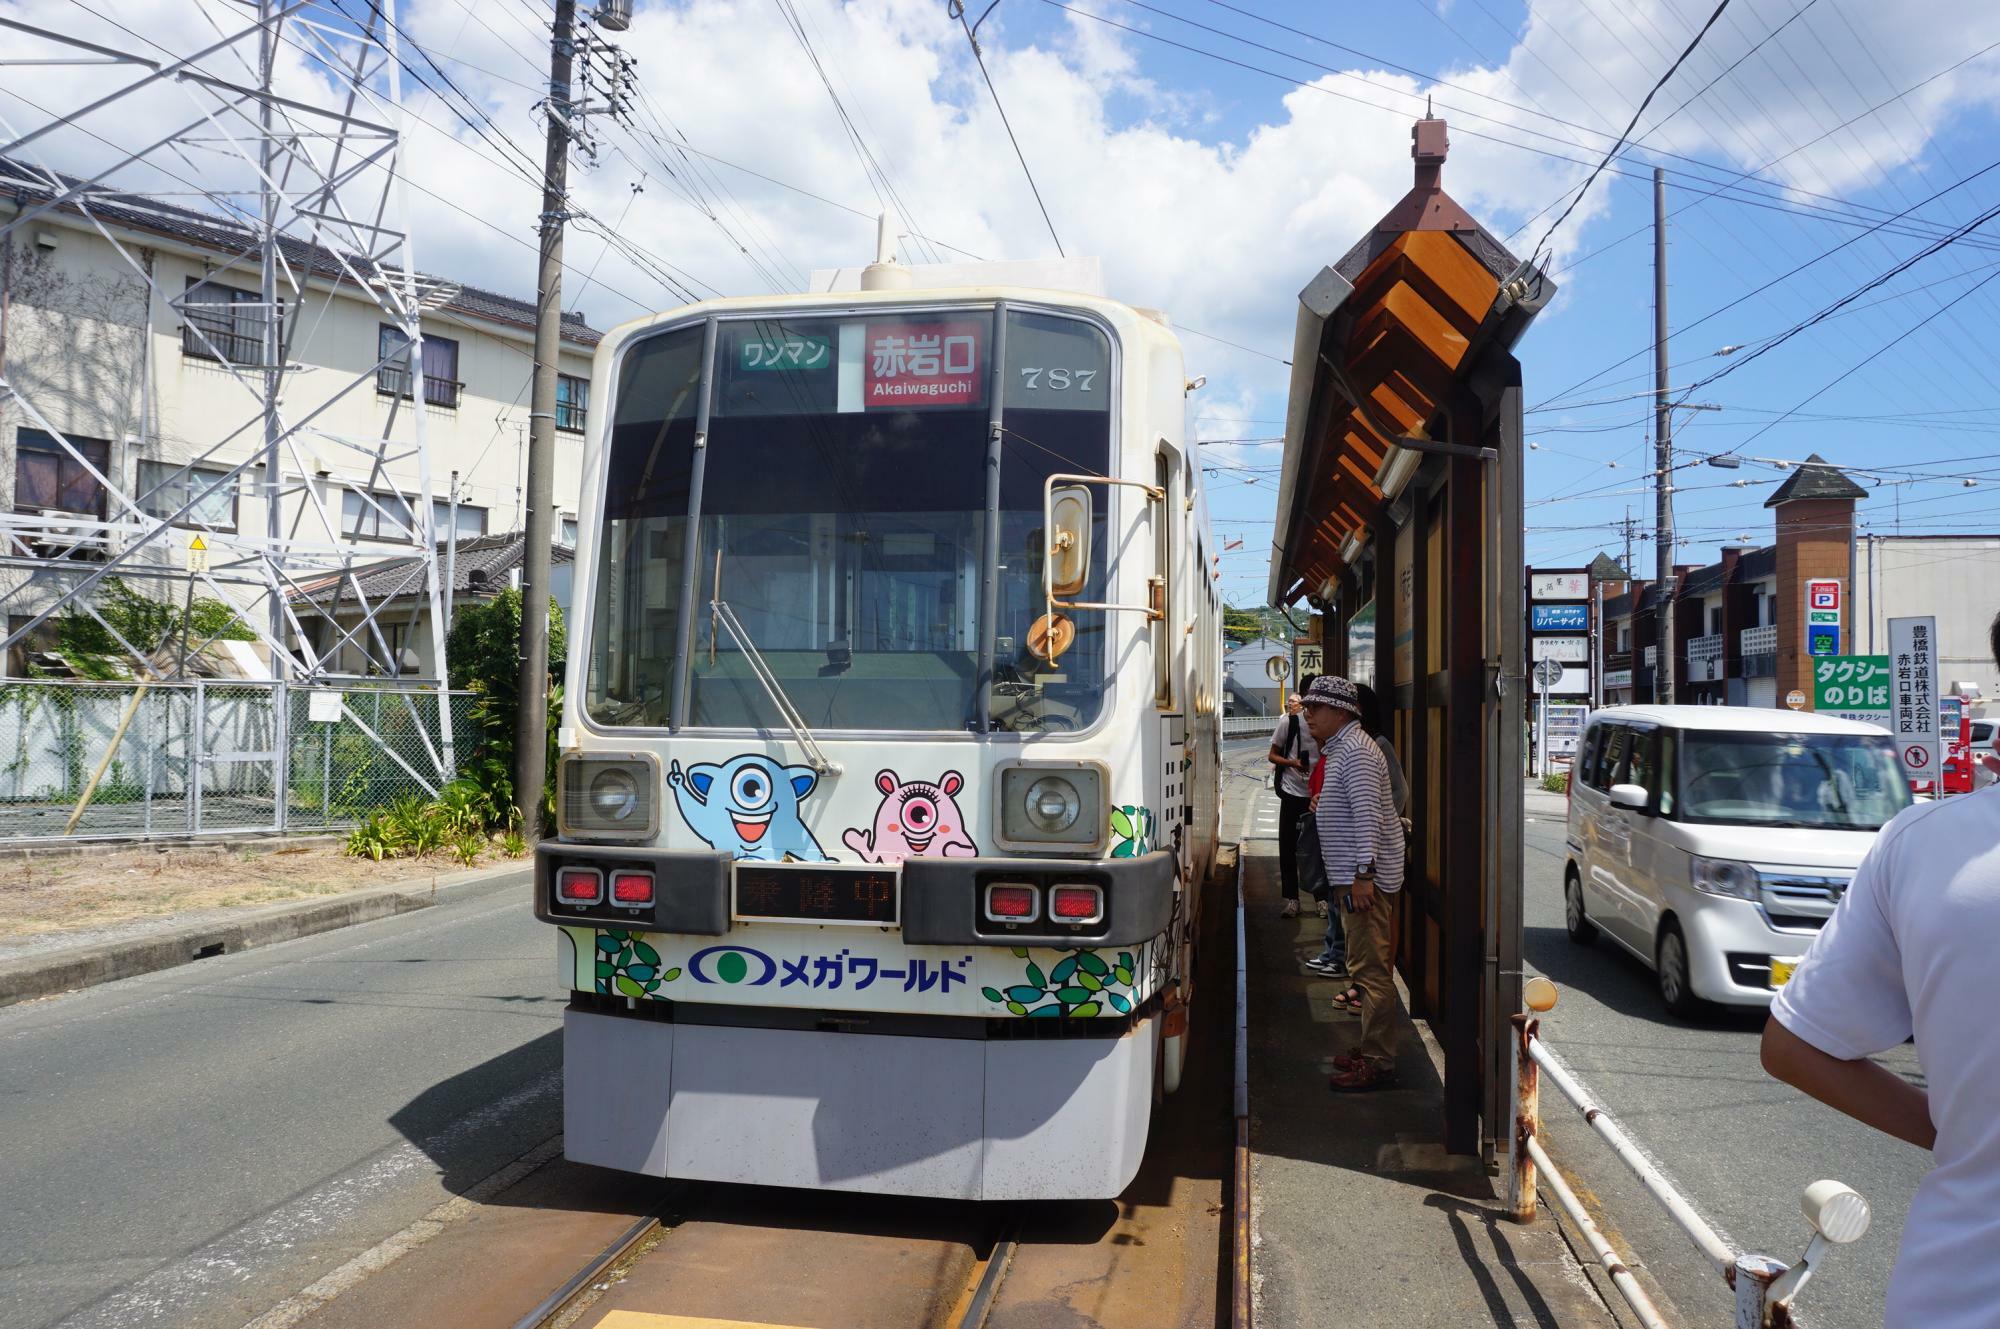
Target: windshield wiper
[[720, 612]]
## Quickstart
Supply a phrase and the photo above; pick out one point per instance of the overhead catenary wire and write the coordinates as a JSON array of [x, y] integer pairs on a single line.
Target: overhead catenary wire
[[1612, 151], [956, 9]]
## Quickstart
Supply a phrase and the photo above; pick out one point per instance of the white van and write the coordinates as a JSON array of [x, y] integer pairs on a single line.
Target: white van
[[1714, 841]]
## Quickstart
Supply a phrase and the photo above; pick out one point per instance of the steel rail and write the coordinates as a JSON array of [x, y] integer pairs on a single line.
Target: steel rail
[[552, 1306], [1240, 1246]]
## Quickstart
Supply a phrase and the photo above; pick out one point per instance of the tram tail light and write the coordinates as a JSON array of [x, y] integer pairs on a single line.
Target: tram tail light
[[1012, 902], [1076, 904], [632, 888], [579, 886]]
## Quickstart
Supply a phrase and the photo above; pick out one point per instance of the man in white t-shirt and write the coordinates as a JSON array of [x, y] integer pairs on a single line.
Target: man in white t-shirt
[[1911, 951], [1293, 752]]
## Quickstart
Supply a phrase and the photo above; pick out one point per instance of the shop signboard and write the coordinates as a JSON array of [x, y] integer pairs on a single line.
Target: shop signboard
[[1559, 618], [1852, 687]]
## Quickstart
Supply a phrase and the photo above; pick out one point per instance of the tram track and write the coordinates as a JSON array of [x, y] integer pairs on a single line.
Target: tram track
[[965, 1295]]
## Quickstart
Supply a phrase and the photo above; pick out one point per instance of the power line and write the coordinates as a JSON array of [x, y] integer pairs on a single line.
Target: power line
[[956, 9], [1653, 92]]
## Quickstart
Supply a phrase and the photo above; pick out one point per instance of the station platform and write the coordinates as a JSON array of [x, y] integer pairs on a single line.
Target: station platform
[[1359, 1216]]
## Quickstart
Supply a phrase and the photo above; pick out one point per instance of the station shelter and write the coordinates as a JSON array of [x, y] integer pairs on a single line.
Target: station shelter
[[1400, 521]]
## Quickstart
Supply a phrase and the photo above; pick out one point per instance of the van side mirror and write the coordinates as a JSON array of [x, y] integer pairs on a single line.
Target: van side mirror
[[1068, 538], [1633, 796]]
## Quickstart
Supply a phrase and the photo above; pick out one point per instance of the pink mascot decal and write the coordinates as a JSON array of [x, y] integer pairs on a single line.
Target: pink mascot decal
[[915, 820]]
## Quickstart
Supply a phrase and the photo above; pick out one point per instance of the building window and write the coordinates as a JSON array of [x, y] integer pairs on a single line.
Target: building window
[[165, 488], [1715, 621], [568, 536], [222, 323], [48, 479], [378, 516], [441, 385], [572, 402]]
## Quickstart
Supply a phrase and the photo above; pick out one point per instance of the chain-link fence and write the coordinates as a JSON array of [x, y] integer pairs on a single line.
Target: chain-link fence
[[83, 760]]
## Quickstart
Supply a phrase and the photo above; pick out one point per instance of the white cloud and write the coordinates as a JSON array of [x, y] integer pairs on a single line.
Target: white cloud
[[1219, 231]]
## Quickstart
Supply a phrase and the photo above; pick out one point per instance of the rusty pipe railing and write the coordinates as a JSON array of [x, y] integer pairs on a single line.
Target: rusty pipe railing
[[1764, 1287]]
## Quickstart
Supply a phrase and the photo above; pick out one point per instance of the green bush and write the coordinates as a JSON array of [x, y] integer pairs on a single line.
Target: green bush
[[143, 621], [484, 650], [1556, 782]]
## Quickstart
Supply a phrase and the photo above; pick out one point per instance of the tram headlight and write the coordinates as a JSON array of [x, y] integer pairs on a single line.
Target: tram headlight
[[608, 796], [1045, 806], [1052, 805]]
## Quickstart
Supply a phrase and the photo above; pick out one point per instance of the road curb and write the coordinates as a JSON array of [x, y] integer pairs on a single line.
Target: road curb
[[77, 967]]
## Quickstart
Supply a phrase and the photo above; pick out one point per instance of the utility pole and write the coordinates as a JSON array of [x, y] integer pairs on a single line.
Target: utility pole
[[1663, 443], [531, 718]]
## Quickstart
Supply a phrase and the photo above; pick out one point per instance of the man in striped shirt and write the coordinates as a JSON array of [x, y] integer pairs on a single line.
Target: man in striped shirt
[[1361, 843]]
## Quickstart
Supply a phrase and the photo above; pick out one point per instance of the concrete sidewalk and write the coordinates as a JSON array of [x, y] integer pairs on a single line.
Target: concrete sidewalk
[[1360, 1217], [142, 946]]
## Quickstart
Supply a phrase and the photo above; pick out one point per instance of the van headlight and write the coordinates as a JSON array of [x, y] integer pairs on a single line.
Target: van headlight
[[608, 796], [1044, 807], [1723, 876]]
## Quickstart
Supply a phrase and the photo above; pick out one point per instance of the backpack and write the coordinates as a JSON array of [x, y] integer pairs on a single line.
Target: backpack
[[1288, 748]]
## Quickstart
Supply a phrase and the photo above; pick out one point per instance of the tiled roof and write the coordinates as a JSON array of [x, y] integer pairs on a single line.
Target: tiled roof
[[1816, 477], [1703, 581], [231, 240], [481, 567], [1758, 564]]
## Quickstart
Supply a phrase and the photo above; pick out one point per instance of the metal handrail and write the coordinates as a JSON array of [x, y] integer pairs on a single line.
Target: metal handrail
[[1765, 1288]]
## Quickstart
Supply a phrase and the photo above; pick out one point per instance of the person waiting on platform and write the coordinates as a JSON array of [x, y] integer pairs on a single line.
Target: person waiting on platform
[[1332, 959], [1293, 752], [1361, 844]]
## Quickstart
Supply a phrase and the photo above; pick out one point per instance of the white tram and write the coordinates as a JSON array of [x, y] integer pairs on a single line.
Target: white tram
[[889, 770]]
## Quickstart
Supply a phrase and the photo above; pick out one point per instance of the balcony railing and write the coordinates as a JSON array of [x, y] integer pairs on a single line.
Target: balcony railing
[[1651, 656], [1760, 651], [394, 381], [236, 341], [1705, 658]]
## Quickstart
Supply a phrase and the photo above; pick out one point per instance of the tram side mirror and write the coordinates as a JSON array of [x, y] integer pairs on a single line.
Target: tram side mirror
[[1069, 538]]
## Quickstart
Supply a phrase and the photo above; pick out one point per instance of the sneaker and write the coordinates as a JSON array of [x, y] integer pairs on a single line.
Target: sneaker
[[1322, 964], [1291, 909]]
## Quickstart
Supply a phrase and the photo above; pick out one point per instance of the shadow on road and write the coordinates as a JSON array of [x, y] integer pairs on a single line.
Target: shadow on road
[[1620, 981]]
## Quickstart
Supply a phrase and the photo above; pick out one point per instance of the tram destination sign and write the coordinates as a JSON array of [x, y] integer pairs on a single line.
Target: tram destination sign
[[812, 893]]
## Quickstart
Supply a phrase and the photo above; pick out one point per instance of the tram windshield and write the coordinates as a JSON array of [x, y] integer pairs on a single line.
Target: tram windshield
[[842, 518]]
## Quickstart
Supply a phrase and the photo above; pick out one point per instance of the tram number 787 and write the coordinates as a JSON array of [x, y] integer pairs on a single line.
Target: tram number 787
[[1060, 380]]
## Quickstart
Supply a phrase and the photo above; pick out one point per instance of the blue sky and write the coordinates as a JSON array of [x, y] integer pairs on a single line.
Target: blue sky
[[1804, 140]]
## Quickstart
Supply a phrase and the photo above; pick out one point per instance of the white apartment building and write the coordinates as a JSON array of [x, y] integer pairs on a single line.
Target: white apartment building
[[143, 389]]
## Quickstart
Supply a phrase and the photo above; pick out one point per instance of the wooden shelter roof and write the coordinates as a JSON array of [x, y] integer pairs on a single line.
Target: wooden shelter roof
[[1427, 285]]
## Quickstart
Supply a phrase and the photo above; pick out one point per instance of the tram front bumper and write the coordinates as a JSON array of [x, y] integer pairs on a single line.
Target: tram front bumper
[[940, 896], [951, 1117]]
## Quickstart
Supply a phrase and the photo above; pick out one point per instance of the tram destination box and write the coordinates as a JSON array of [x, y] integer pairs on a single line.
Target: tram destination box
[[816, 893]]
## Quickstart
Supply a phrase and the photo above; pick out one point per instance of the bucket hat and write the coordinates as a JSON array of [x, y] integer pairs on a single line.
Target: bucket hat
[[1335, 691]]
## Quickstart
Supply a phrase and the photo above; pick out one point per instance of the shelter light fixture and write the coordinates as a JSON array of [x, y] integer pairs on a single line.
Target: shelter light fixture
[[1350, 549]]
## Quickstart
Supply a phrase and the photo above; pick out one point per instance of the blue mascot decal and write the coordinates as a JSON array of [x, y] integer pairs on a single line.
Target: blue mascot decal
[[748, 807]]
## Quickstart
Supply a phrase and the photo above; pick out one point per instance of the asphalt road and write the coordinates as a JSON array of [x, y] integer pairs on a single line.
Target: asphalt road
[[1740, 1145], [190, 1147]]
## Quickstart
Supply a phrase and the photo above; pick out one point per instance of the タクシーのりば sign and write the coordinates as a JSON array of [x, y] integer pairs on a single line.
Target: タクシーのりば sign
[[1913, 710]]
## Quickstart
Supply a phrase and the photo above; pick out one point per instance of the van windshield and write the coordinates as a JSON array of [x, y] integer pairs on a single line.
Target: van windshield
[[1851, 782]]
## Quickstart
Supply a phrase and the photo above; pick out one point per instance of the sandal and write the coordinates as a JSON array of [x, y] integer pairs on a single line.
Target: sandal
[[1349, 1001], [1364, 1078], [1291, 909]]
